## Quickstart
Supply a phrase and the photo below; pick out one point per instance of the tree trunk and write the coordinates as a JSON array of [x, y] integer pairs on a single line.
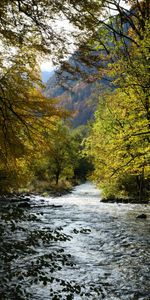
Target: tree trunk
[[140, 182], [57, 177]]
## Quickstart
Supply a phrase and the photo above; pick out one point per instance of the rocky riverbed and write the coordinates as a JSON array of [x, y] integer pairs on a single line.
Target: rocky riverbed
[[74, 247]]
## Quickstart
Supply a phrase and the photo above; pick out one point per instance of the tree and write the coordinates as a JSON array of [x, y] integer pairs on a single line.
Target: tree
[[24, 112], [59, 158], [83, 166], [107, 26], [30, 23], [26, 32], [121, 129], [34, 24], [26, 118], [62, 155], [119, 145], [112, 45]]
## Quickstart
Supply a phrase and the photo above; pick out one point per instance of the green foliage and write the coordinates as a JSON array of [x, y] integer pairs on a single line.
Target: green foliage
[[62, 154], [26, 116], [83, 166], [54, 166], [29, 129], [119, 143]]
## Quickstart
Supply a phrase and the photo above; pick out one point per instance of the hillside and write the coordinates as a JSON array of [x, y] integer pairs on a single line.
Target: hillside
[[76, 83], [78, 96]]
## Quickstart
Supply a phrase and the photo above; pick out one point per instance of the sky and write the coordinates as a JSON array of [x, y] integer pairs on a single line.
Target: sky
[[47, 66], [61, 26]]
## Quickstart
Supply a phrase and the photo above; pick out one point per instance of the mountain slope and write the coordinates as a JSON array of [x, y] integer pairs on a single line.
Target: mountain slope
[[78, 96]]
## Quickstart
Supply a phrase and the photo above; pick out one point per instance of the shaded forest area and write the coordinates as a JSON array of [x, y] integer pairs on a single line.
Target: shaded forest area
[[38, 147]]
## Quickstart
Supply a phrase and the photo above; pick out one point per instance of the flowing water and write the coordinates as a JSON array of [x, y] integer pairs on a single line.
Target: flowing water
[[75, 247]]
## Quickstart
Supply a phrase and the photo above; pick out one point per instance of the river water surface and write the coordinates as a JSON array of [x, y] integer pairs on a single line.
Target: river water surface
[[75, 247]]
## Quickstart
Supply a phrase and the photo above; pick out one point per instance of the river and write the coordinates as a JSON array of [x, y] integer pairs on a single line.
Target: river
[[74, 247]]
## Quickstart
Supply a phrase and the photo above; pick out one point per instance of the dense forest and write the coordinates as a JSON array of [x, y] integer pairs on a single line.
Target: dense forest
[[40, 151]]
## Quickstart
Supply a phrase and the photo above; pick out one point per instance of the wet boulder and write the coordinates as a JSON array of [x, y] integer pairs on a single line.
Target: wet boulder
[[24, 205], [142, 216]]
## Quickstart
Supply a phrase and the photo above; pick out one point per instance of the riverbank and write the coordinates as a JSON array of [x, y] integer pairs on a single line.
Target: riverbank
[[124, 200], [25, 196], [42, 188], [62, 189]]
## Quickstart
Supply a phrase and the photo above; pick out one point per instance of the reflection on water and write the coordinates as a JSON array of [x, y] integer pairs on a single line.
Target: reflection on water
[[83, 248]]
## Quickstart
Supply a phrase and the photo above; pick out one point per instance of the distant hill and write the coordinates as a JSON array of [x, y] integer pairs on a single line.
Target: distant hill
[[77, 93], [77, 86], [78, 96]]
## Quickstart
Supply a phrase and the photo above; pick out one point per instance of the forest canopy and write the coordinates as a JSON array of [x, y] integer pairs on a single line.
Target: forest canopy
[[112, 38], [119, 143]]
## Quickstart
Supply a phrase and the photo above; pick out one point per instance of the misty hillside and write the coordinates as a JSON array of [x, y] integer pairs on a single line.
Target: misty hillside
[[78, 96]]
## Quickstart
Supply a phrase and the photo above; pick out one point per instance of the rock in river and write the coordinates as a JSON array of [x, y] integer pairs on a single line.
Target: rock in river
[[142, 216]]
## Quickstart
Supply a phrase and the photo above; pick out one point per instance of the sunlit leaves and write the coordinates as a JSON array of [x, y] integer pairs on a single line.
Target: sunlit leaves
[[119, 140], [27, 117], [24, 112], [60, 155]]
